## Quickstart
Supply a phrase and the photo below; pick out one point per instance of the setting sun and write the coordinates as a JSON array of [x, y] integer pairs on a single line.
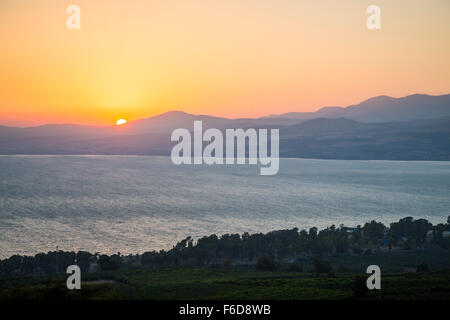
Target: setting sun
[[121, 121]]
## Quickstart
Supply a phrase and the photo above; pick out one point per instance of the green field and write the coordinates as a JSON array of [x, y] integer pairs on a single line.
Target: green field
[[208, 283]]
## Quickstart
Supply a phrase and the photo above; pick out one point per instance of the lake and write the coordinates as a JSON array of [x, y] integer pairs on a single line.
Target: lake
[[133, 204]]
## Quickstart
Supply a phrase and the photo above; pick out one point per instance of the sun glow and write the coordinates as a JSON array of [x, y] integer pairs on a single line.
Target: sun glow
[[145, 65], [121, 121]]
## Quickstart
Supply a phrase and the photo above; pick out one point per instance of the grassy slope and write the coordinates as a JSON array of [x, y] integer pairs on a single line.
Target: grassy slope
[[203, 283], [246, 283]]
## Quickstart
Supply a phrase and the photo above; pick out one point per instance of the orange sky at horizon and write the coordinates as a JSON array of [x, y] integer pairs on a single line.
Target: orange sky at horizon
[[232, 58]]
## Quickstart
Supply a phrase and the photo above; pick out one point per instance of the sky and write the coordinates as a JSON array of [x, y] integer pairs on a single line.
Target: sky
[[134, 59]]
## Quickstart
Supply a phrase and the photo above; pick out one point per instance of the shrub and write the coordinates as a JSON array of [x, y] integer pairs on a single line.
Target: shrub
[[423, 267], [360, 289], [322, 266], [296, 267], [265, 264]]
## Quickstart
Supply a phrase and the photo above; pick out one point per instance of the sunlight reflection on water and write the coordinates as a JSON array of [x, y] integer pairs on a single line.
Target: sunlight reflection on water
[[134, 204]]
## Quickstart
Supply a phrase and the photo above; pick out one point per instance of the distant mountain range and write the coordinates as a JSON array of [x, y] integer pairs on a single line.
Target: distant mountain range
[[383, 109], [415, 127]]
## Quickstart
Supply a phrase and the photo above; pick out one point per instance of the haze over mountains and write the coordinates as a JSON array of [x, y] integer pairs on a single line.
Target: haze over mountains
[[415, 127], [383, 109]]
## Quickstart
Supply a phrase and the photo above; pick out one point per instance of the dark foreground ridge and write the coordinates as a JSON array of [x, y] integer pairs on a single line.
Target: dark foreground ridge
[[414, 257]]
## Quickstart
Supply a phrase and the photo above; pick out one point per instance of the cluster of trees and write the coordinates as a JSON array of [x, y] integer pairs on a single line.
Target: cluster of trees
[[289, 245], [276, 246], [55, 262]]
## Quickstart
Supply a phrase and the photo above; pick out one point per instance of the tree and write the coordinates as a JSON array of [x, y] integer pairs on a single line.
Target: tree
[[108, 263], [410, 228], [313, 232], [84, 260], [373, 230]]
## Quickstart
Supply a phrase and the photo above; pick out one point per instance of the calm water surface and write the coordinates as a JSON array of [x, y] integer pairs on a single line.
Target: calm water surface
[[134, 204]]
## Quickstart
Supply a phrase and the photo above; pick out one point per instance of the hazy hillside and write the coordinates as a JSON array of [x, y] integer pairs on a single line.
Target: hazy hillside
[[348, 139]]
